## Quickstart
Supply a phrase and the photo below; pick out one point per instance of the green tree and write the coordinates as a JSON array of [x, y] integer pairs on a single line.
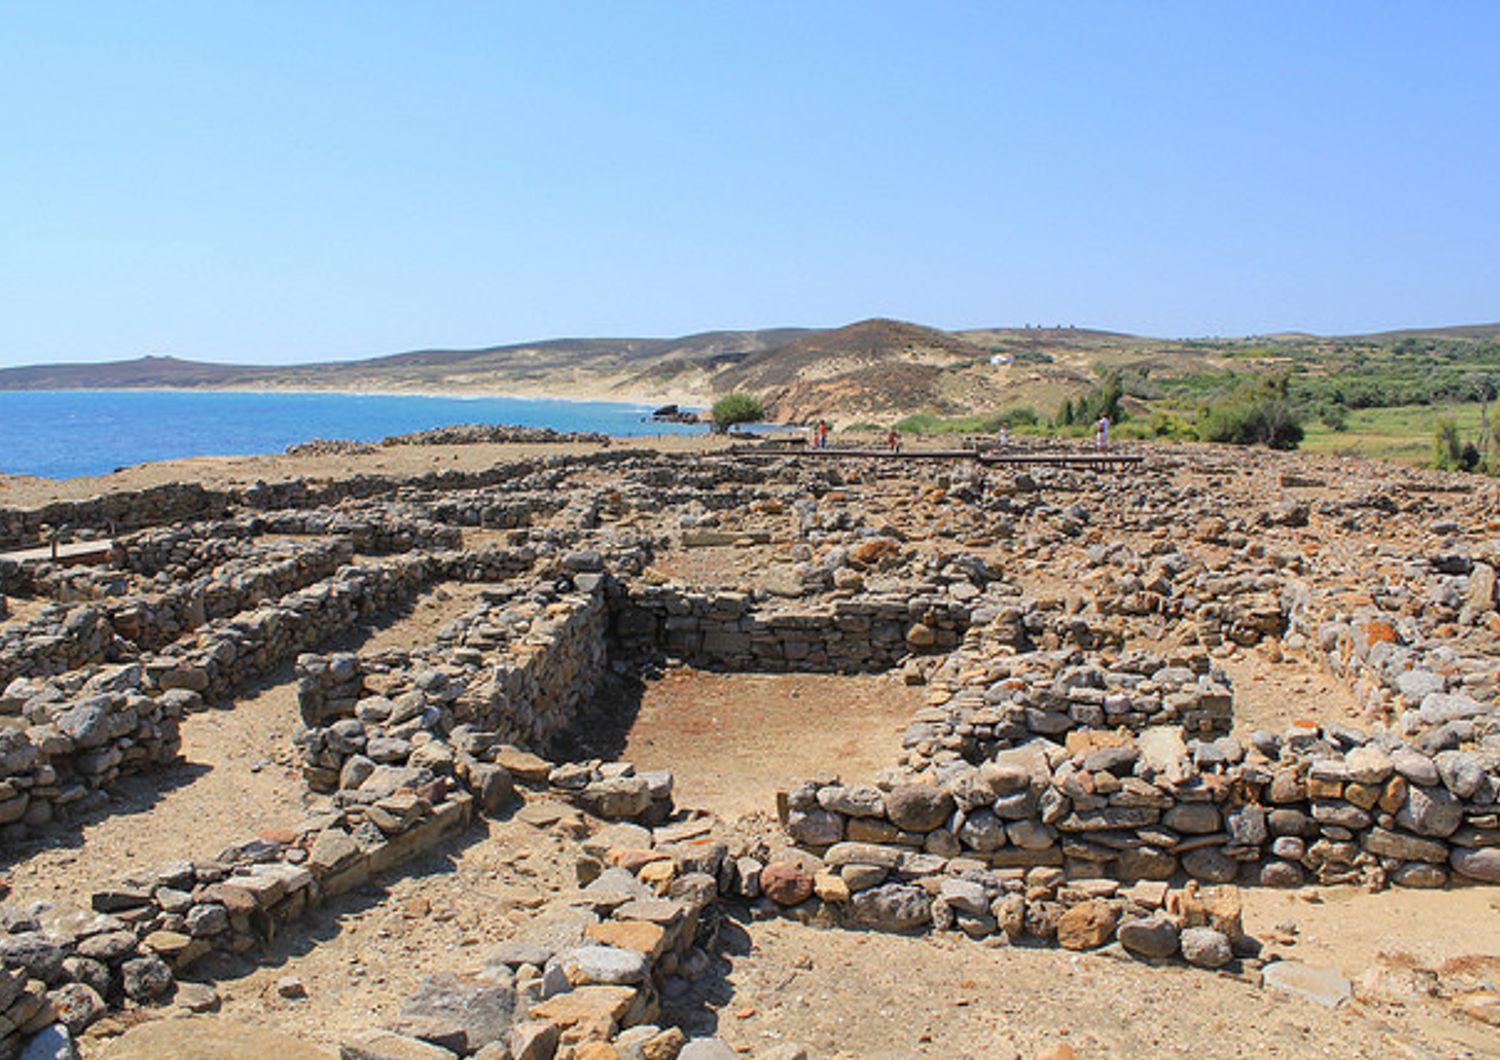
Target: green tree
[[1248, 420], [737, 407]]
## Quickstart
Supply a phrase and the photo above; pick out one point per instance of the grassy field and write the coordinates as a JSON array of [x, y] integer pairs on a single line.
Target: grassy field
[[1402, 433]]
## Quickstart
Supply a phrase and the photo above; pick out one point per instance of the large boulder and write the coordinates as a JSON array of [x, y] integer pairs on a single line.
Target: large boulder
[[1152, 936], [481, 1012], [1477, 863], [892, 907], [1430, 811], [1087, 925], [1206, 948], [918, 807]]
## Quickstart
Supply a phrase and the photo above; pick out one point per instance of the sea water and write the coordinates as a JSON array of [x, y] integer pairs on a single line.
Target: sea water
[[62, 433]]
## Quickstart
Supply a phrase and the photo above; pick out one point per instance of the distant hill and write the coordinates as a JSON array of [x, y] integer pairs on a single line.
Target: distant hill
[[878, 369], [143, 372], [871, 366], [622, 369], [1482, 332]]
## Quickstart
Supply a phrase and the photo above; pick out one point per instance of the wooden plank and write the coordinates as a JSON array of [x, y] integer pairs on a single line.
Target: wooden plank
[[1063, 459], [66, 554]]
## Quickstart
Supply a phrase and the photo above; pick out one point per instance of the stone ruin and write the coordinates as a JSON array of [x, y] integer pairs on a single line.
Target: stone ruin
[[1076, 776]]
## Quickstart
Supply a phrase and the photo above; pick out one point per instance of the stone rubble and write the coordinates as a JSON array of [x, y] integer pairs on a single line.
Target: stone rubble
[[1063, 783]]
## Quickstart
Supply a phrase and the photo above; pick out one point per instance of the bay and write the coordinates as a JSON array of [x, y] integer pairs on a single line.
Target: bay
[[64, 433]]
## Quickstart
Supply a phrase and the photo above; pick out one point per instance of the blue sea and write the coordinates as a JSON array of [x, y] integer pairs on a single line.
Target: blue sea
[[63, 433]]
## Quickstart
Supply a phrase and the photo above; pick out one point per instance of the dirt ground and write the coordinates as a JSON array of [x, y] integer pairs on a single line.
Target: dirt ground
[[236, 777], [360, 956], [731, 740], [26, 491], [889, 996], [1272, 695]]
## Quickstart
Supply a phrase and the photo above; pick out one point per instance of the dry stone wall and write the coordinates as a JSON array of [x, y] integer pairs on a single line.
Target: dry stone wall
[[518, 670], [1116, 774], [730, 631], [66, 739], [1395, 666], [63, 638], [175, 503]]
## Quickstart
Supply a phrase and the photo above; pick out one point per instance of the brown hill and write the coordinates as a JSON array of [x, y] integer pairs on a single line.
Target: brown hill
[[1481, 332], [877, 369], [142, 372], [873, 367], [624, 368]]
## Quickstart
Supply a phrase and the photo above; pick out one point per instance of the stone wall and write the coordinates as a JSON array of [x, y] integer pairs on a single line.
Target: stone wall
[[183, 552], [65, 752], [1395, 666], [519, 669], [731, 631], [172, 502], [73, 966], [15, 579], [64, 740], [65, 638], [175, 503], [1330, 804]]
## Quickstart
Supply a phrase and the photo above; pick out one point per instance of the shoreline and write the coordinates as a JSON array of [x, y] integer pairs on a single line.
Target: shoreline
[[589, 397], [622, 421]]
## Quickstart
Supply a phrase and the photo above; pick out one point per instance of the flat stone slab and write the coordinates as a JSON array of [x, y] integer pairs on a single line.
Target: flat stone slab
[[545, 813], [1322, 986], [196, 1037]]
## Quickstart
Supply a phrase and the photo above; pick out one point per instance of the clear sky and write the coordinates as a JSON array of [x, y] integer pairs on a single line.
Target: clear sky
[[281, 180]]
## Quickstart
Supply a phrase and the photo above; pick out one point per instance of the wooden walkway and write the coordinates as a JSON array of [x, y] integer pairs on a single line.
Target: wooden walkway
[[1104, 461], [69, 554]]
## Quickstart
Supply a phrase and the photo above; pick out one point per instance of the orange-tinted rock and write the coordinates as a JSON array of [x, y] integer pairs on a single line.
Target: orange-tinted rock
[[785, 884], [1087, 925]]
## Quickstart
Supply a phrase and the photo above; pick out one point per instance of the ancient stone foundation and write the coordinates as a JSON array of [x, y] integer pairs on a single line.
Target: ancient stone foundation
[[1076, 776]]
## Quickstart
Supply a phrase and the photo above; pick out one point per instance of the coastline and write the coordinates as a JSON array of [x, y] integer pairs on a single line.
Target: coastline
[[604, 396], [43, 479]]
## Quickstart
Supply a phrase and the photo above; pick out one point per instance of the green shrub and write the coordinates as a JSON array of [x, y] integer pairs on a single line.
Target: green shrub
[[1104, 399], [1021, 416], [1334, 416], [738, 407], [1169, 425], [1449, 451], [1244, 420]]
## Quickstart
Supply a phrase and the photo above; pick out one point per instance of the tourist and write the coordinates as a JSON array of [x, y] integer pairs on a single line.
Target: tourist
[[822, 434], [1101, 431], [893, 440], [1004, 434]]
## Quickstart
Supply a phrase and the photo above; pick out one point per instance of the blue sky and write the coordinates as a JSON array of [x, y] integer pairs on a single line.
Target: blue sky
[[279, 181]]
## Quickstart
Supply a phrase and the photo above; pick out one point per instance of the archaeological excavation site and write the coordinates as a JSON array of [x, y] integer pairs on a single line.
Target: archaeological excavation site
[[602, 751]]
